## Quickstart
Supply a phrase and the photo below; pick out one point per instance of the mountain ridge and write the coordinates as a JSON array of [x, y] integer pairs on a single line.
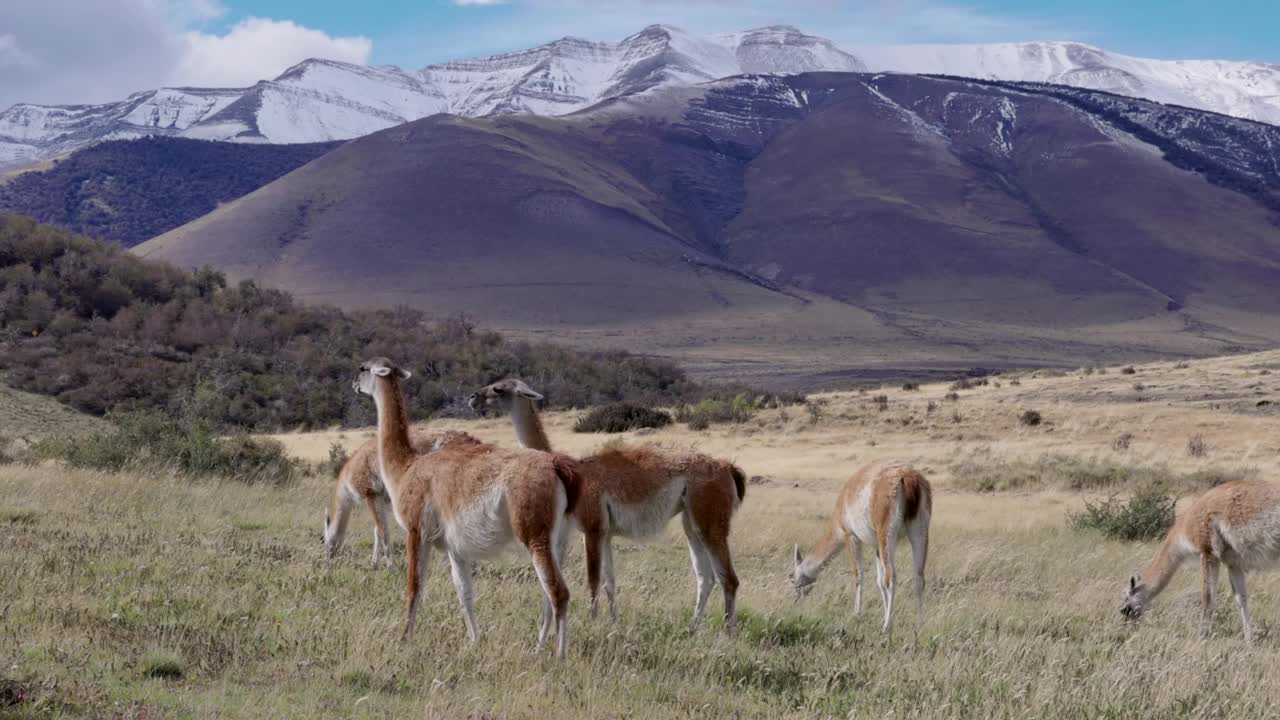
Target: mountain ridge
[[322, 100]]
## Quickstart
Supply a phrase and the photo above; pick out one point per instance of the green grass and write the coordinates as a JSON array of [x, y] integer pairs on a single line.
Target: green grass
[[130, 596]]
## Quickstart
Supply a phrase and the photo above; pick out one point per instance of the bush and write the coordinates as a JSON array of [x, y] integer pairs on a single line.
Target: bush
[[104, 331], [1146, 516], [1196, 446], [332, 466], [705, 413], [1122, 442], [621, 417], [968, 384], [1030, 418], [909, 386], [881, 402], [952, 397], [1129, 370], [189, 448]]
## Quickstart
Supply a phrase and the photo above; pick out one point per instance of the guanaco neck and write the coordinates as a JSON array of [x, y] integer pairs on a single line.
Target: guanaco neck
[[822, 552], [1160, 570], [529, 431], [395, 453]]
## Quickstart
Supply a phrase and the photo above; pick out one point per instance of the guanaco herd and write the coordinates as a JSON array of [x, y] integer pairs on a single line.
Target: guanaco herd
[[471, 499]]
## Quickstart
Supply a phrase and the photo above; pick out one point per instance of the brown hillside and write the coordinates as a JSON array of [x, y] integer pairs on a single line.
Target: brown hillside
[[791, 223]]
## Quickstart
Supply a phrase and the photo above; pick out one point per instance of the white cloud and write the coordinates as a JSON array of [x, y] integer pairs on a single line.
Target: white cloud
[[92, 51], [258, 48], [848, 22], [11, 53]]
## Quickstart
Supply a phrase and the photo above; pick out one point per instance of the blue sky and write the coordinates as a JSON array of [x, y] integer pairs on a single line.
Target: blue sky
[[414, 33], [90, 51]]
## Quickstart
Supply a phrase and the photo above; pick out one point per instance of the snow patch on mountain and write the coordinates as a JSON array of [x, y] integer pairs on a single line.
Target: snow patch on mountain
[[321, 100]]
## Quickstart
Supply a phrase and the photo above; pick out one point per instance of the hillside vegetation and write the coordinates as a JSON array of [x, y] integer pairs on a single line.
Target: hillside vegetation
[[102, 330], [132, 190]]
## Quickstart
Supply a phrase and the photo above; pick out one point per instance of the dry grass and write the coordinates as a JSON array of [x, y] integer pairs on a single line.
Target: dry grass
[[128, 596]]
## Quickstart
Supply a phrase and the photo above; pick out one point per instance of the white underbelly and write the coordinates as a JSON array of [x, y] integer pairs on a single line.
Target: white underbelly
[[483, 529], [648, 518], [857, 518]]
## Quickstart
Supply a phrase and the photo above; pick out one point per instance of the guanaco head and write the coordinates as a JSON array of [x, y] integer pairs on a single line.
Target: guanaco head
[[801, 581], [331, 539], [1135, 599], [501, 395], [372, 370]]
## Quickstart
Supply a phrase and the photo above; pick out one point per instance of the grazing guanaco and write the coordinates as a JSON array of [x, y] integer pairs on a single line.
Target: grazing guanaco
[[879, 500], [1236, 524], [471, 500], [359, 480], [634, 492]]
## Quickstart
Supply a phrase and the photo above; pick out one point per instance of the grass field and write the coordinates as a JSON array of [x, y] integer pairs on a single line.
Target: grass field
[[147, 596]]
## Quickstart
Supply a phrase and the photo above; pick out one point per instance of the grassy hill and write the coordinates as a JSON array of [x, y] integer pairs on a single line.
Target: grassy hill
[[35, 416]]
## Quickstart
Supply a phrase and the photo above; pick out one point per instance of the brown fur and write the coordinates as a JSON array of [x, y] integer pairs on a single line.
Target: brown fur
[[360, 471], [900, 499], [433, 495], [1236, 524], [620, 480]]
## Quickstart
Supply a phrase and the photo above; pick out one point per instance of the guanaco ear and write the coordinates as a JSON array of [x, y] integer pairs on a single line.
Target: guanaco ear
[[404, 374], [524, 391], [796, 551], [380, 370], [1133, 583]]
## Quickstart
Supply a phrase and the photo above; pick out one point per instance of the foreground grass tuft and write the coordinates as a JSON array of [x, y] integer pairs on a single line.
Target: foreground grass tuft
[[163, 666]]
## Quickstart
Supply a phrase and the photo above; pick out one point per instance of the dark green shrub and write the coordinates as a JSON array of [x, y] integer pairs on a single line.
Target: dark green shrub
[[1146, 516], [189, 448], [621, 417]]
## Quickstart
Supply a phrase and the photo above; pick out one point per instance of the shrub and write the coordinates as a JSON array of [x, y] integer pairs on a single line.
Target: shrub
[[189, 448], [332, 466], [1030, 418], [910, 386], [1122, 442], [881, 402], [952, 397], [104, 330], [703, 414], [956, 417], [1129, 370], [1146, 516], [1196, 446], [931, 407], [621, 417]]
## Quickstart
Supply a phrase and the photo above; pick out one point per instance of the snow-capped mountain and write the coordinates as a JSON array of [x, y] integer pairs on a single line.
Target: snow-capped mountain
[[1248, 90], [320, 100]]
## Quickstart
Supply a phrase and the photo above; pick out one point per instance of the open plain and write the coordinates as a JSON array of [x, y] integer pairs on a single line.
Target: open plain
[[123, 595]]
